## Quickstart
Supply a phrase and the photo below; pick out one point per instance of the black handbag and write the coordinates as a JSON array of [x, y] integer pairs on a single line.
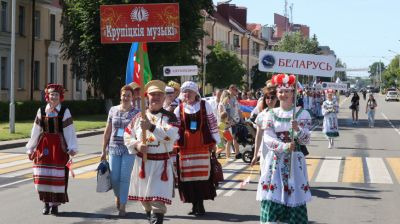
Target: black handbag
[[216, 169]]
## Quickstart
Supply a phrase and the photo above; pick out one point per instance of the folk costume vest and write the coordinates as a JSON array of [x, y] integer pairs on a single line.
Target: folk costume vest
[[194, 154]]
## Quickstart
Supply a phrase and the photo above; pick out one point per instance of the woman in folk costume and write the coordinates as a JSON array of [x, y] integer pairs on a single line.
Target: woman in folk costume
[[198, 126], [52, 141], [269, 102], [330, 108], [121, 161], [283, 186], [152, 175]]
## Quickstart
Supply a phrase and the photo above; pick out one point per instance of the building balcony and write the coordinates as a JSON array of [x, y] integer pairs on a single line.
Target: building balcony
[[44, 1]]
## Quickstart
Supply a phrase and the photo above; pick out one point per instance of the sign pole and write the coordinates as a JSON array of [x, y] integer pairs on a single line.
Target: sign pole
[[142, 101], [293, 118]]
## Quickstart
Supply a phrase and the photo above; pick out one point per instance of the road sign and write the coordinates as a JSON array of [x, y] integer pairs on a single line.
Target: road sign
[[335, 86], [187, 70], [139, 23], [295, 63]]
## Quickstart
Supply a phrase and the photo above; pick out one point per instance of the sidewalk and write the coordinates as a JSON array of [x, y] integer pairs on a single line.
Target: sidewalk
[[22, 142]]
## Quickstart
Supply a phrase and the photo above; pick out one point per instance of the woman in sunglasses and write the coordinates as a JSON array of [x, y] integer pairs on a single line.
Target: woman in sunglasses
[[269, 101]]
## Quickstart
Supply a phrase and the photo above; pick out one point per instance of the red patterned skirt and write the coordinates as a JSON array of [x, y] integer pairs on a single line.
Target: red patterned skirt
[[50, 174]]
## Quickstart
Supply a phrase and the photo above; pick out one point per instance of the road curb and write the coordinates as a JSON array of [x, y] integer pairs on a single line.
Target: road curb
[[21, 143]]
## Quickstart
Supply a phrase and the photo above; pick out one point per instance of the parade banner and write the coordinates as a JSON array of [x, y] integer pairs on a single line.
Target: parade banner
[[139, 23], [188, 70], [335, 86], [295, 63]]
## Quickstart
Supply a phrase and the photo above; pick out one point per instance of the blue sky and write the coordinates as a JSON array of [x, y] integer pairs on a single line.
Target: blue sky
[[359, 31]]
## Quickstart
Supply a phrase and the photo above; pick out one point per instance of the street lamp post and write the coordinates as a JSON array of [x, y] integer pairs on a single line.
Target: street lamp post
[[397, 54], [12, 104]]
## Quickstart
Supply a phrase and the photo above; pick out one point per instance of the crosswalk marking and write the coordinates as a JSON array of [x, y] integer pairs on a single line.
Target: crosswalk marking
[[329, 171], [377, 172], [395, 164], [353, 170], [348, 169], [12, 158], [26, 171], [312, 163]]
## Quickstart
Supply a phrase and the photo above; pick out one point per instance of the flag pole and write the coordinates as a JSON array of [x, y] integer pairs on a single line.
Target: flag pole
[[142, 100], [293, 118]]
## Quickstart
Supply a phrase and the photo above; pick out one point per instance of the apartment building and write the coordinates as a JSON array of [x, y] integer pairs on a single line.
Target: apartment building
[[48, 64]]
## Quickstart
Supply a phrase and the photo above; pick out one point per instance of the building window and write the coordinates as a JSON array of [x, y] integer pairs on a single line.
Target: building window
[[65, 76], [255, 49], [52, 73], [4, 12], [37, 24], [21, 21], [52, 27], [3, 73], [78, 84], [236, 40], [21, 74], [36, 75]]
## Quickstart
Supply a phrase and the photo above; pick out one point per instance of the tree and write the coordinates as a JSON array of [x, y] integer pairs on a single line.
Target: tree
[[374, 71], [341, 75], [104, 65], [392, 73], [259, 78], [295, 42], [223, 67]]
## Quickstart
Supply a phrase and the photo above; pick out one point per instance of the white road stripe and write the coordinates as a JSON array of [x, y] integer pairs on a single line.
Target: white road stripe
[[329, 171], [29, 170], [391, 124], [235, 168], [16, 182], [11, 156], [85, 169], [14, 163], [377, 171]]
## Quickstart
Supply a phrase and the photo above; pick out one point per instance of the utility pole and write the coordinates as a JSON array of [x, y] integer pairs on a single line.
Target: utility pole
[[12, 104], [33, 46]]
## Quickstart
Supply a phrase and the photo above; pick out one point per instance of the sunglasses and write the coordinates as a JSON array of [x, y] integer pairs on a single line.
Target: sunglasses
[[270, 97]]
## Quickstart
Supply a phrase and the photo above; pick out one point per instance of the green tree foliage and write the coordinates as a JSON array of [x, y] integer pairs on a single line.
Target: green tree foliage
[[104, 64], [342, 75], [296, 43], [392, 73], [259, 78], [374, 69], [223, 67]]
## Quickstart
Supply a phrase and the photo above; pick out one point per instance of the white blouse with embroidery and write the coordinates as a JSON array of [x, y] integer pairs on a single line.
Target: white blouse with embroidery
[[211, 119], [68, 132]]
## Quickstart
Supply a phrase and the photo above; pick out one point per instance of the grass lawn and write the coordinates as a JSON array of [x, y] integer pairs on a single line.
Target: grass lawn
[[23, 128]]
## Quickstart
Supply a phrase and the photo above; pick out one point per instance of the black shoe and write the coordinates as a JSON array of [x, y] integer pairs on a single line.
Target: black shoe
[[200, 209], [194, 209], [54, 210], [148, 216], [238, 156], [157, 218], [46, 209]]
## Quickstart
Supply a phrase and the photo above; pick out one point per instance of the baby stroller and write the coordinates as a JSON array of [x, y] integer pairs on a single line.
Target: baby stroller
[[245, 136]]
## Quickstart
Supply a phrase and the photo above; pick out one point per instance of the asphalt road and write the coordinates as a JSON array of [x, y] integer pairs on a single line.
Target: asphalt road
[[355, 182]]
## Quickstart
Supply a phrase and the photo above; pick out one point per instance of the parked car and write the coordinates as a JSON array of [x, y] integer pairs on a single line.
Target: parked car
[[392, 95]]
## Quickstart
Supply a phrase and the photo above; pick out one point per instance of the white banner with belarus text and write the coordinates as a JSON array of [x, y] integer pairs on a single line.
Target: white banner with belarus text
[[335, 86], [187, 70], [295, 63]]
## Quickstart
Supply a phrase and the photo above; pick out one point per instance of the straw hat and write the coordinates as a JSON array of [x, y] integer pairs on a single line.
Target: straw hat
[[155, 86]]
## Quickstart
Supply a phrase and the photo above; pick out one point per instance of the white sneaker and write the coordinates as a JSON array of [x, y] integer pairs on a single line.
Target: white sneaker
[[329, 146]]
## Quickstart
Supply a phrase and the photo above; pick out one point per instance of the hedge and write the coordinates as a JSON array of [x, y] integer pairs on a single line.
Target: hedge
[[26, 110]]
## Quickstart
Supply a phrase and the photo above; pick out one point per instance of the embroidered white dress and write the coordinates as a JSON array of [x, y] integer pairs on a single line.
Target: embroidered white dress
[[274, 184], [330, 125], [152, 187]]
